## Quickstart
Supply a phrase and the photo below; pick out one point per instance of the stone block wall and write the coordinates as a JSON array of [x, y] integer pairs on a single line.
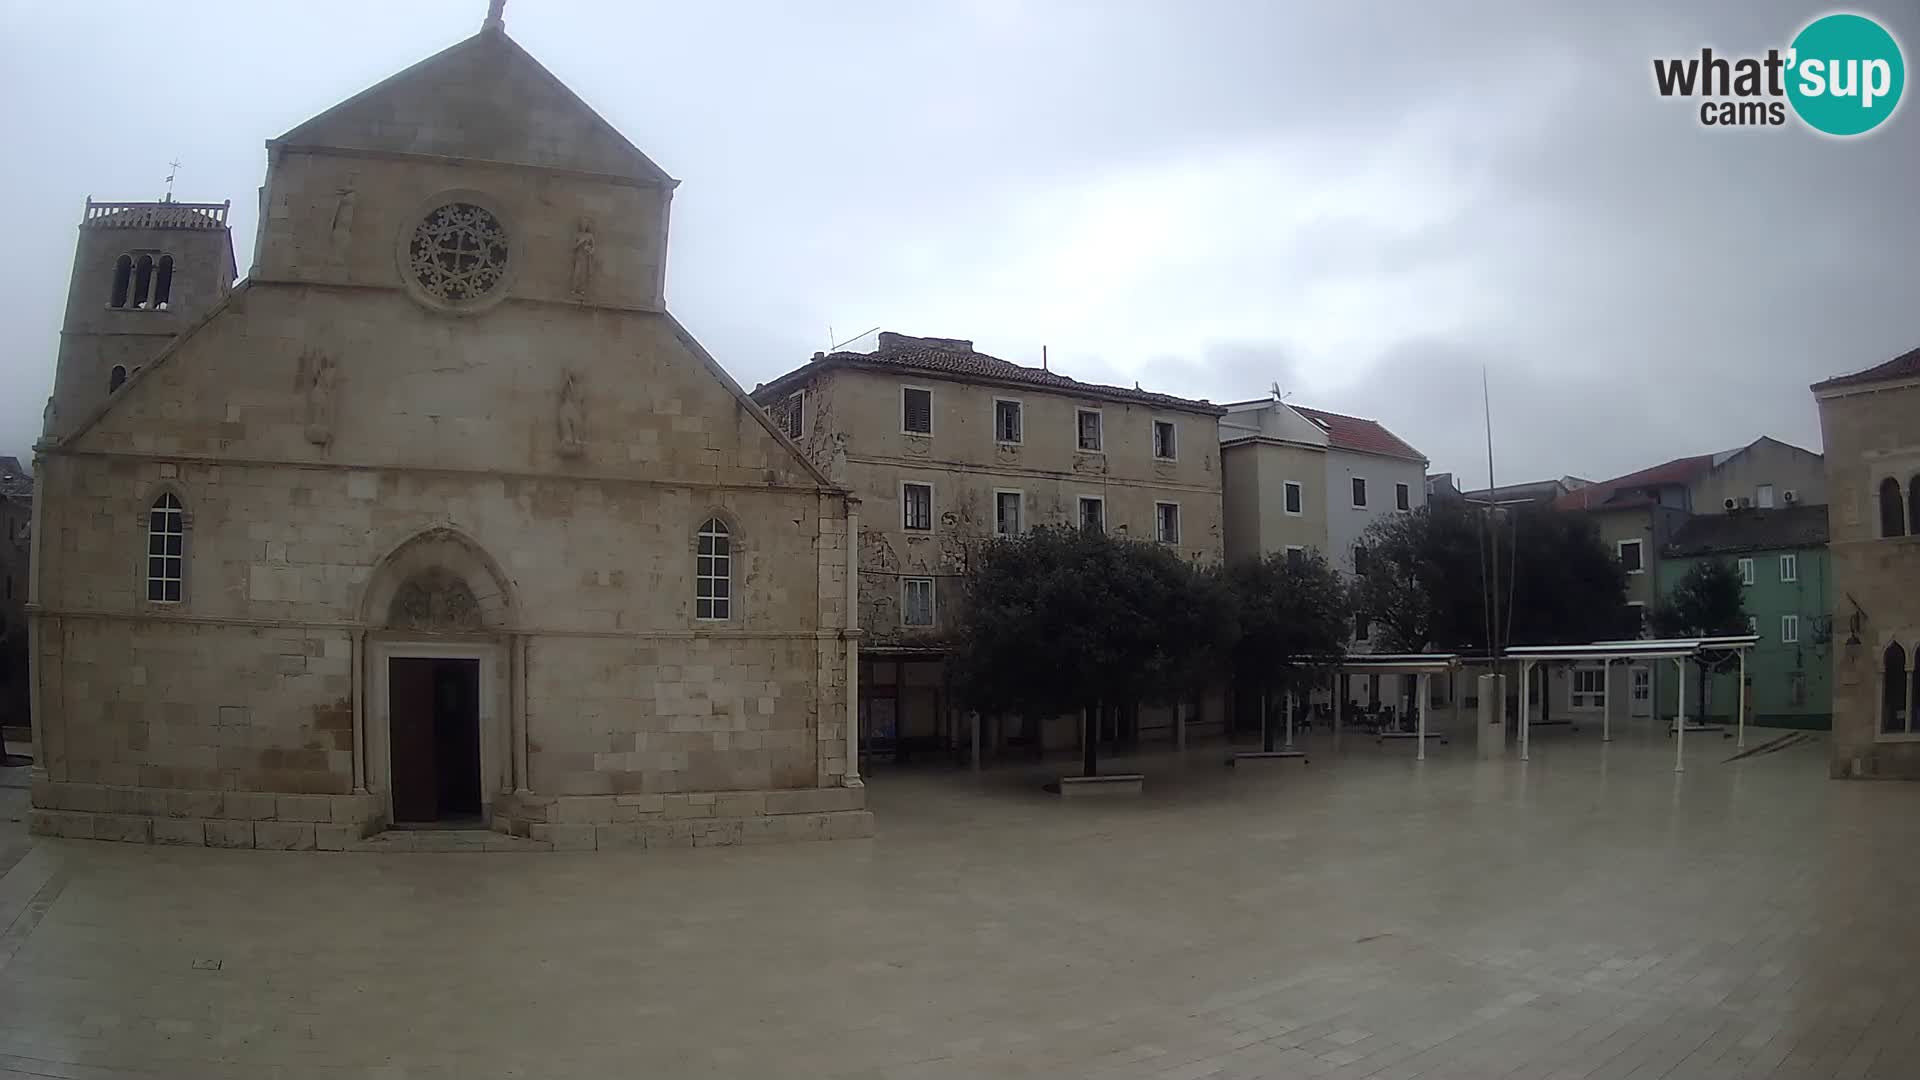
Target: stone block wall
[[1870, 434]]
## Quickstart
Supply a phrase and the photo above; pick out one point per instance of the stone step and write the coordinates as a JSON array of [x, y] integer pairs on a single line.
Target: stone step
[[411, 840]]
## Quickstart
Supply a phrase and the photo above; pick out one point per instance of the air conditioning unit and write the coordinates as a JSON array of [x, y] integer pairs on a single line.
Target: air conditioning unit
[[1729, 504], [1745, 502], [1790, 496]]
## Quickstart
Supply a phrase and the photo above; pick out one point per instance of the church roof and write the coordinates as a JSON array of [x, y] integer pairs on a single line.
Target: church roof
[[1904, 366], [482, 99]]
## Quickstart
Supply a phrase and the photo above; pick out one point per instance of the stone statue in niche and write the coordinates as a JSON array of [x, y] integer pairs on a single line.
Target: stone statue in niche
[[318, 380], [580, 283], [341, 228], [573, 419], [434, 599]]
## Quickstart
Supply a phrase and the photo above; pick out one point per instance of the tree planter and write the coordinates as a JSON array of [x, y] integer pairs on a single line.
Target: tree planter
[[1107, 784]]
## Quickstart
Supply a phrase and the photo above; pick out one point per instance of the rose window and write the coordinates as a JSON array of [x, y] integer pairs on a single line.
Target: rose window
[[459, 253]]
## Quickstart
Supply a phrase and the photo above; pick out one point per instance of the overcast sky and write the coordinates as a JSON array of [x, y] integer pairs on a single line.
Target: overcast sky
[[1365, 205]]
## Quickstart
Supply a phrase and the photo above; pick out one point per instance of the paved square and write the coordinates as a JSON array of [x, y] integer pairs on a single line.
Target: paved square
[[1591, 914]]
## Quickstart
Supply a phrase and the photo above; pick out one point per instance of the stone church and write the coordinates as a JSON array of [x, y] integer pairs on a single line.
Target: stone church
[[439, 518]]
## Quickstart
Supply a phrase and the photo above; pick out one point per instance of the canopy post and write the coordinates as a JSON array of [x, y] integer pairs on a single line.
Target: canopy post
[[1741, 742], [1606, 700], [1339, 692], [1526, 709], [1421, 684], [1680, 719]]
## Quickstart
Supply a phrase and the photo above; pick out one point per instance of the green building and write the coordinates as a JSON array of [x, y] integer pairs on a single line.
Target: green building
[[1781, 554]]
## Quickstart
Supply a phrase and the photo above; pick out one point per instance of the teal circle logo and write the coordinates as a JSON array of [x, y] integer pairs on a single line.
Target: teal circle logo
[[1845, 74]]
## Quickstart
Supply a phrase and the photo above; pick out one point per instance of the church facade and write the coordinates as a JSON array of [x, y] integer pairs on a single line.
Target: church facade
[[438, 518]]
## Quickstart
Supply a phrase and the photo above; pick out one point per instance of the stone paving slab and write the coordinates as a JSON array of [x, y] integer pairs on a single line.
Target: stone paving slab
[[1589, 915]]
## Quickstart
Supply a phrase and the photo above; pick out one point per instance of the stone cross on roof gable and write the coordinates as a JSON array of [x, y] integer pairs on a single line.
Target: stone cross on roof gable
[[496, 15]]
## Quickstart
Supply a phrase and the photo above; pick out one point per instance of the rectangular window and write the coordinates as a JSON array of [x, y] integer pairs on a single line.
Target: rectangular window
[[1093, 513], [1589, 688], [1753, 624], [796, 417], [1638, 609], [1402, 497], [1006, 421], [1164, 448], [1763, 496], [1790, 629], [1294, 501], [1746, 571], [1087, 423], [916, 507], [1361, 626], [1006, 513], [1796, 688], [916, 601], [1629, 551], [1789, 568], [166, 542], [1360, 559], [916, 411], [1359, 491], [1167, 517], [1642, 684], [713, 572], [1296, 555]]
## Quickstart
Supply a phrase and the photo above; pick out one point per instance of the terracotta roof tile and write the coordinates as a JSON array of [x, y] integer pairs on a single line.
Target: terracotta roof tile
[[1751, 530], [1904, 366], [1356, 433], [1626, 492], [958, 359]]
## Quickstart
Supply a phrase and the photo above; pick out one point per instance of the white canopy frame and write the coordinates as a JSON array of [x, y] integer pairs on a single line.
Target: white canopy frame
[[1423, 665], [1679, 650]]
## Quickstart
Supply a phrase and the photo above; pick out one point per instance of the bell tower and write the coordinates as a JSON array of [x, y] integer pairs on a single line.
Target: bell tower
[[143, 272]]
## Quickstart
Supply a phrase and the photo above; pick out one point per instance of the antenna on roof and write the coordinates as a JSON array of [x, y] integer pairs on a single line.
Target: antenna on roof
[[849, 341], [1043, 358], [172, 168], [1277, 394]]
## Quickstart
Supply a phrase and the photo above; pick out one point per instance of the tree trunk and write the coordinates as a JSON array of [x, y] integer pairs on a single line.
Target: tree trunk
[[1266, 726], [1090, 741], [1546, 695], [1700, 691]]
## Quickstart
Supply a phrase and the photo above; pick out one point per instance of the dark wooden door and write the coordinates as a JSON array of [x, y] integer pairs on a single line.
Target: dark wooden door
[[410, 703]]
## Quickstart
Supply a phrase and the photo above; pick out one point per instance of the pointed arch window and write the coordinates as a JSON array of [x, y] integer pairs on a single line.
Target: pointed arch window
[[122, 281], [166, 549], [1895, 718], [1893, 516], [713, 571]]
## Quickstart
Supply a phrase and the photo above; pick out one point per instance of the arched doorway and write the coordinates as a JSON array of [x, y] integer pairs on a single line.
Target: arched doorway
[[439, 613]]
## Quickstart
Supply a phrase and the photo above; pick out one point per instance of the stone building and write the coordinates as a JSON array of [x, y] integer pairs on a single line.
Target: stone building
[[16, 522], [946, 446], [438, 517], [1870, 421], [1301, 479]]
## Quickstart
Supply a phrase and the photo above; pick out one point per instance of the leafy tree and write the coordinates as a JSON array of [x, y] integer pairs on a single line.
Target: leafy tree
[[1426, 580], [1291, 613], [1426, 574], [1708, 601], [1059, 620]]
